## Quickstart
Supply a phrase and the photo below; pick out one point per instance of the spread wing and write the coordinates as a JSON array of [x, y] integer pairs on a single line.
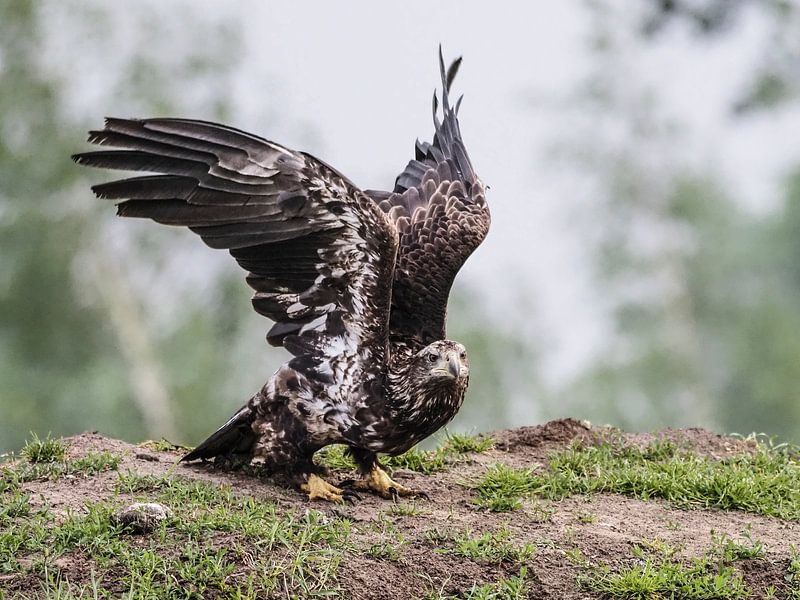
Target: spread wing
[[319, 253], [438, 205]]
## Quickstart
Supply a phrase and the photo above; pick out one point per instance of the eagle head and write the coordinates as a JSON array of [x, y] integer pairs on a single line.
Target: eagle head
[[442, 363]]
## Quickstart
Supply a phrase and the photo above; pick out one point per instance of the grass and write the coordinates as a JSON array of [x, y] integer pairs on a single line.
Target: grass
[[657, 573], [457, 443], [512, 588], [12, 476], [492, 547], [454, 448], [13, 505], [423, 461], [212, 534], [793, 574], [217, 542], [47, 450], [729, 550], [762, 482], [389, 543], [406, 509], [94, 462], [502, 488], [47, 459], [164, 445], [656, 578]]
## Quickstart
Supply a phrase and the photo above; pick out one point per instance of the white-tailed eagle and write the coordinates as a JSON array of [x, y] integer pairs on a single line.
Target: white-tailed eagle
[[356, 281]]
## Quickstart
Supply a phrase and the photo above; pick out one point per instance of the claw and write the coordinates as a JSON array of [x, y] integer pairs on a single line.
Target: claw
[[351, 496], [378, 481], [319, 489]]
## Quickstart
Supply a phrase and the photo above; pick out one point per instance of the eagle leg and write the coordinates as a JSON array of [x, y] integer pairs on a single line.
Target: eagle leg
[[319, 489], [375, 479]]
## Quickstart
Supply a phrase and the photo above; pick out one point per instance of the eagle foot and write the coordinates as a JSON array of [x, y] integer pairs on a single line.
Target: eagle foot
[[379, 482], [319, 489]]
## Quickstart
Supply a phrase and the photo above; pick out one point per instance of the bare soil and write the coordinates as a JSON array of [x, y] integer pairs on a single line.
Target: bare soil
[[558, 529]]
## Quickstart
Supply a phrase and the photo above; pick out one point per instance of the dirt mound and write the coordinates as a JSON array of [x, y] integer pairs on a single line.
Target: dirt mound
[[560, 510]]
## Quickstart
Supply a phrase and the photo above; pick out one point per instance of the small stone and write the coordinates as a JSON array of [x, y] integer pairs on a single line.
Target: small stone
[[143, 517]]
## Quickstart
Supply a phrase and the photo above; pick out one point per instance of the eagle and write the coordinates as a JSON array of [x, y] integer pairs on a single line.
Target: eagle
[[356, 282]]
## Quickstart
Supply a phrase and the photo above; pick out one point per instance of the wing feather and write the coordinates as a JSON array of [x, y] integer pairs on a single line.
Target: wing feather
[[438, 205], [319, 253]]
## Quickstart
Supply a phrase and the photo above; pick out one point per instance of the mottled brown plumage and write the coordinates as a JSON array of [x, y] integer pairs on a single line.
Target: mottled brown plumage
[[356, 281]]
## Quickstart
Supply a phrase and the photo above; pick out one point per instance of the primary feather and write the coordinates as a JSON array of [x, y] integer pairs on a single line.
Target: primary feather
[[355, 281]]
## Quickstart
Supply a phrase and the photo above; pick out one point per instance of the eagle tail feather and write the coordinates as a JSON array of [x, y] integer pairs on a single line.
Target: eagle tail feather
[[235, 437]]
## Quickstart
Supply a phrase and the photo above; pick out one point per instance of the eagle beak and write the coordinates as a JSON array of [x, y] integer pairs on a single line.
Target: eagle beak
[[454, 367]]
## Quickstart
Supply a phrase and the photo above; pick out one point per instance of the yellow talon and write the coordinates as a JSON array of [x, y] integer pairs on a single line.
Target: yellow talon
[[319, 489], [378, 481]]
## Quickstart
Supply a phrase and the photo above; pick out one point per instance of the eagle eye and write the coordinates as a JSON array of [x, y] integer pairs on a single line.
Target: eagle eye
[[432, 356], [463, 354]]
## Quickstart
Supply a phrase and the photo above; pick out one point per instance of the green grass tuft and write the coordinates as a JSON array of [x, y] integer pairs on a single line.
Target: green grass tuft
[[164, 445], [657, 573], [14, 504], [763, 482], [729, 550], [455, 446], [94, 462], [47, 450], [793, 574], [390, 541], [406, 509], [335, 457], [655, 578], [502, 488], [492, 547], [421, 461], [14, 475], [456, 443], [511, 588]]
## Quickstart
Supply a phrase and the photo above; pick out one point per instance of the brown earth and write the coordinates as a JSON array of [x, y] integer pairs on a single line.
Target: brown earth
[[557, 529]]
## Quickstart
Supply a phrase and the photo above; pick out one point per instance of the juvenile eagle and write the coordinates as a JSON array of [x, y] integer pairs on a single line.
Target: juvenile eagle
[[356, 281]]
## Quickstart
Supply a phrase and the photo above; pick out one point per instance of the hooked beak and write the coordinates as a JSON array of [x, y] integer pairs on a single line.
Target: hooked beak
[[451, 371], [454, 367]]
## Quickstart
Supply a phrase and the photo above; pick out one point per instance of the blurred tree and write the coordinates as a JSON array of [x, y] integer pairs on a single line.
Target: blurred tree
[[703, 294], [762, 343], [79, 296], [777, 77], [55, 348], [504, 389]]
